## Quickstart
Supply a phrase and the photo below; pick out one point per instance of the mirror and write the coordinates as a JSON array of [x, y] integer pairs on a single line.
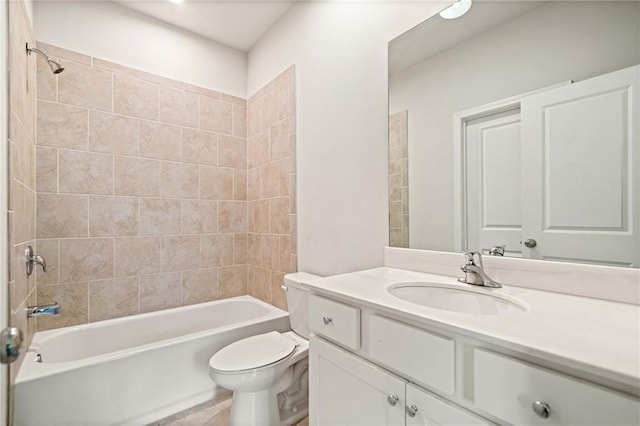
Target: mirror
[[513, 130]]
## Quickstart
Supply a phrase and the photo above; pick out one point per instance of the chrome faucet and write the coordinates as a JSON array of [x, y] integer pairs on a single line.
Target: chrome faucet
[[474, 273], [36, 311]]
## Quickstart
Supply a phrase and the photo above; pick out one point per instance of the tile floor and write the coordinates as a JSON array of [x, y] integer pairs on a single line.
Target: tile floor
[[210, 413]]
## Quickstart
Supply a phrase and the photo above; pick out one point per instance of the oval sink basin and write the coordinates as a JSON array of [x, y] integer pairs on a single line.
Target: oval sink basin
[[454, 298]]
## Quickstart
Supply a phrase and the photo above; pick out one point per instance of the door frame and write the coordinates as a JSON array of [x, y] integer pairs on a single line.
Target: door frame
[[4, 201], [460, 120]]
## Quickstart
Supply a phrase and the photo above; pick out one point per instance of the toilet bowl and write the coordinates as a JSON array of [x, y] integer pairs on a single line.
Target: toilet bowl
[[268, 372]]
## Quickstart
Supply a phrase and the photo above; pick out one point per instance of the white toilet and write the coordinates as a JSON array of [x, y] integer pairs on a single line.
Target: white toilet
[[268, 373]]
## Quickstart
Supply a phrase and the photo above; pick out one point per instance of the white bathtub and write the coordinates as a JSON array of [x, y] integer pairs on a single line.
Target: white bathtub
[[137, 369]]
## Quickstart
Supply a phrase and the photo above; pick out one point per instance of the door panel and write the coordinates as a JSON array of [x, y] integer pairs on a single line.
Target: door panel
[[493, 183], [583, 135]]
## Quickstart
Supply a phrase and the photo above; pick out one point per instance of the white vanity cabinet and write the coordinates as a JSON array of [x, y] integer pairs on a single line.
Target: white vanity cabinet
[[369, 367], [347, 390]]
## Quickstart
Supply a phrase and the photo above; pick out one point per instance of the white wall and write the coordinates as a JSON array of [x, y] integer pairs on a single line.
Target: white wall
[[578, 40], [340, 54], [116, 33]]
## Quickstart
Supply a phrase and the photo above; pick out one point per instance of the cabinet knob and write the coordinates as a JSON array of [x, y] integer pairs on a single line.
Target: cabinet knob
[[542, 409], [412, 410], [327, 320], [393, 400]]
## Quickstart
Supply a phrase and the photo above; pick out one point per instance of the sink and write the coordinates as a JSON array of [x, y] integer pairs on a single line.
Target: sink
[[450, 297]]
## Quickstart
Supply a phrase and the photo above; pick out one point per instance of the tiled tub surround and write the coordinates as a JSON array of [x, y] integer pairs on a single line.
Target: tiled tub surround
[[398, 180], [141, 191], [271, 188], [22, 180]]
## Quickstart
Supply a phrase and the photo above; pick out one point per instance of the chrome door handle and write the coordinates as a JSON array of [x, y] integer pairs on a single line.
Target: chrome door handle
[[10, 342], [530, 243], [33, 259]]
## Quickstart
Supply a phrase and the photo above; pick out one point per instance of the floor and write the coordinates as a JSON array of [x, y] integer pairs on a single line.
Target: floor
[[210, 413]]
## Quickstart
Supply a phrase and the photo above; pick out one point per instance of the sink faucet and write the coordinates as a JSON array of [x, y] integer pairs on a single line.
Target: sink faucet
[[474, 273]]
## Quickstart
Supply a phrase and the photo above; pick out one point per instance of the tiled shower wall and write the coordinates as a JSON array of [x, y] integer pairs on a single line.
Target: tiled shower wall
[[272, 186], [141, 191], [22, 186], [398, 180]]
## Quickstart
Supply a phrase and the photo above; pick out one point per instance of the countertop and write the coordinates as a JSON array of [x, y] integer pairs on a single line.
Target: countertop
[[597, 336]]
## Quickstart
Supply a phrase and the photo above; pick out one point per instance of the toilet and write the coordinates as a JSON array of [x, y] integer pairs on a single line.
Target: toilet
[[268, 373]]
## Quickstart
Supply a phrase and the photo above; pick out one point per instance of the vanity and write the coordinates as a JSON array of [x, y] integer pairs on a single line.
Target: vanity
[[395, 346]]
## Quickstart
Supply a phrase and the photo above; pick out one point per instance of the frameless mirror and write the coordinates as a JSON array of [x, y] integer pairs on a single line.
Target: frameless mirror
[[513, 130]]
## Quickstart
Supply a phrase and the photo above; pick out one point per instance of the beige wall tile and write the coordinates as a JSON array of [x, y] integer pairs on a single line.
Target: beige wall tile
[[232, 281], [199, 147], [46, 169], [261, 151], [239, 249], [268, 108], [113, 133], [278, 296], [112, 66], [22, 284], [85, 172], [279, 138], [232, 152], [46, 81], [73, 300], [160, 141], [62, 216], [261, 283], [239, 185], [179, 180], [179, 253], [233, 99], [269, 248], [137, 256], [85, 86], [24, 219], [201, 91], [162, 81], [279, 211], [232, 216], [161, 291], [395, 214], [178, 107], [254, 249], [215, 115], [261, 217], [284, 251], [253, 184], [136, 176], [199, 286], [293, 201], [135, 97], [50, 250], [62, 126], [275, 178], [216, 183], [113, 298], [113, 216], [253, 118], [239, 114], [159, 216], [199, 217], [294, 233], [85, 259], [216, 250]]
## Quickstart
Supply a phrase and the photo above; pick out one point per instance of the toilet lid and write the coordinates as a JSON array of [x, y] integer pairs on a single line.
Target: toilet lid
[[253, 352]]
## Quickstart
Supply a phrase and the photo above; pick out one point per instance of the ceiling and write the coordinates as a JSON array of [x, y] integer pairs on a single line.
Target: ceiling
[[236, 23]]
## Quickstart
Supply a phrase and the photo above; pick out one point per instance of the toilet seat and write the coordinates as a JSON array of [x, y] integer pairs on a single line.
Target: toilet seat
[[252, 353]]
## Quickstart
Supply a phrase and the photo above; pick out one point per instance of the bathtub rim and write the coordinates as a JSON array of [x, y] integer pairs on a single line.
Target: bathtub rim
[[32, 370]]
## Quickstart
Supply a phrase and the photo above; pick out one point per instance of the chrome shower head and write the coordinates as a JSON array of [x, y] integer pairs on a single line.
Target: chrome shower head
[[56, 68]]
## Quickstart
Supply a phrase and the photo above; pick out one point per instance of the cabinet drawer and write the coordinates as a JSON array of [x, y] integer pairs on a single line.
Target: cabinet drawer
[[335, 321], [507, 388], [425, 357]]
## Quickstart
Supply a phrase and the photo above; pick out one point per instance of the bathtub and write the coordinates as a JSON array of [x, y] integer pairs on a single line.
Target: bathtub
[[137, 369]]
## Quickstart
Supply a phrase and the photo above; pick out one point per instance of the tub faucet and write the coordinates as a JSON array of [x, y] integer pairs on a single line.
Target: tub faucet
[[474, 273], [36, 311]]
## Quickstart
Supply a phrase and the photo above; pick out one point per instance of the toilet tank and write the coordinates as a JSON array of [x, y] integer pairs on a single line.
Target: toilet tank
[[298, 301]]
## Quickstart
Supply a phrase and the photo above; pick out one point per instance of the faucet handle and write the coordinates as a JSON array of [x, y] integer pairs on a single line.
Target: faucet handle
[[470, 256]]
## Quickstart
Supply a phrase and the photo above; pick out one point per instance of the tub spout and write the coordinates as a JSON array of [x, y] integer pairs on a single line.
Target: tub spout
[[36, 311]]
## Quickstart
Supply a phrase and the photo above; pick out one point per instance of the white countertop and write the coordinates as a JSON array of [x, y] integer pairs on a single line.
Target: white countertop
[[597, 336]]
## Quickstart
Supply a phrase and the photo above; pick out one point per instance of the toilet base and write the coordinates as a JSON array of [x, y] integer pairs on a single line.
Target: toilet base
[[255, 408]]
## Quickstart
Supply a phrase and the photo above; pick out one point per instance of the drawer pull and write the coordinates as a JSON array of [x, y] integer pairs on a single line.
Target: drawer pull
[[412, 410], [393, 400], [327, 320], [542, 409]]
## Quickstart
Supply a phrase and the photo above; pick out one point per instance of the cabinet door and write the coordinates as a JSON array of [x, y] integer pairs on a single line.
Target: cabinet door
[[345, 390], [425, 409]]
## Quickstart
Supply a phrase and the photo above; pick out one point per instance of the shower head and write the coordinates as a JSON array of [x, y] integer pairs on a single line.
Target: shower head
[[56, 68]]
